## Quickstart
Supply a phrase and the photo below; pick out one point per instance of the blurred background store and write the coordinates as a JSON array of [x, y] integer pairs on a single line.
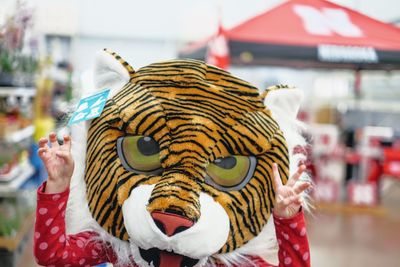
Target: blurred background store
[[344, 56]]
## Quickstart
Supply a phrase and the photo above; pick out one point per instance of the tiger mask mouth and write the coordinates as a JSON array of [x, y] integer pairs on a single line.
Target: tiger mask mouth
[[170, 223], [162, 258]]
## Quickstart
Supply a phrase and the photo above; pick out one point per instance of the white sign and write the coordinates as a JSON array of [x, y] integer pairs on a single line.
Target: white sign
[[327, 191], [327, 21], [347, 53], [362, 194]]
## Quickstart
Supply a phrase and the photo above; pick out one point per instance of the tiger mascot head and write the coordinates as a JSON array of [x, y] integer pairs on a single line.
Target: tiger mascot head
[[177, 170]]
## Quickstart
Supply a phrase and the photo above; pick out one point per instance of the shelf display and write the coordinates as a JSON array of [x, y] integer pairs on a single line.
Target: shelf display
[[34, 100], [14, 208], [16, 217], [18, 55], [19, 67], [16, 131]]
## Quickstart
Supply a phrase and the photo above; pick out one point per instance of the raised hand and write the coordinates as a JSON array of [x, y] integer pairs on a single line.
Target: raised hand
[[288, 197], [58, 162]]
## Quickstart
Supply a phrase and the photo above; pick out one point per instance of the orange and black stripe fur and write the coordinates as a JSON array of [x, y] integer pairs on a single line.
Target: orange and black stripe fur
[[197, 113]]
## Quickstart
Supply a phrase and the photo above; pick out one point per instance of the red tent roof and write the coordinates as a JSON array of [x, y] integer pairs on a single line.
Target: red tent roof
[[330, 24], [313, 33]]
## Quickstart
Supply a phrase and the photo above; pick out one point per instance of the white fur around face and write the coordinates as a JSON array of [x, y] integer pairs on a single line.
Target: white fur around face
[[263, 245], [78, 216], [201, 240]]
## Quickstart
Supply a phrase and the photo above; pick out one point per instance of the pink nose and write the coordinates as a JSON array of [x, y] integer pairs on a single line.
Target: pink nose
[[171, 224]]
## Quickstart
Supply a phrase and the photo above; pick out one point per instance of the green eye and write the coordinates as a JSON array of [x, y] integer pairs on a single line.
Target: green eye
[[139, 154], [231, 173]]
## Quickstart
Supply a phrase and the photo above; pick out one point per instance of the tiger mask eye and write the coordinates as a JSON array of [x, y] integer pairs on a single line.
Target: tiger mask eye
[[230, 173], [139, 154]]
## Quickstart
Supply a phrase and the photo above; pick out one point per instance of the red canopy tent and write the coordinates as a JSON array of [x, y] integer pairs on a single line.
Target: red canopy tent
[[310, 33]]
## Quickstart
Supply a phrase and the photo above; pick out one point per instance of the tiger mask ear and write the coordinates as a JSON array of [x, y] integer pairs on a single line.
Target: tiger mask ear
[[283, 101], [111, 71]]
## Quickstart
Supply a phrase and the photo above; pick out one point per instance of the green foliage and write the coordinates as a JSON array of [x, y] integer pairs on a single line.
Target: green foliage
[[15, 208], [10, 218], [6, 61]]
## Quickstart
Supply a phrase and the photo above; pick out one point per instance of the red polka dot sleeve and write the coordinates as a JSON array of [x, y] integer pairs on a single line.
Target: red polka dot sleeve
[[292, 239], [52, 247]]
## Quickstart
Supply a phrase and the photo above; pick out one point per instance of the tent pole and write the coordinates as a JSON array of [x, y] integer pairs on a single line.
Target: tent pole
[[357, 84]]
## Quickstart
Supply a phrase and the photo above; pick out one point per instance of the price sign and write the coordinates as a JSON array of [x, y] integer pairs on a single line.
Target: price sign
[[90, 107]]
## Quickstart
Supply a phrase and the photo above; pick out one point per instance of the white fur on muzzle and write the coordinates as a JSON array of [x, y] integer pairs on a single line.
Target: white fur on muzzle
[[204, 238]]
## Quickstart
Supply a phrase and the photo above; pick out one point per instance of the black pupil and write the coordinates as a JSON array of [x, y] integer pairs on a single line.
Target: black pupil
[[226, 163], [147, 146]]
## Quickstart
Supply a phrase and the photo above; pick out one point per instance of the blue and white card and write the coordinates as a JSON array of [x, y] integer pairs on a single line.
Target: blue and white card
[[90, 107]]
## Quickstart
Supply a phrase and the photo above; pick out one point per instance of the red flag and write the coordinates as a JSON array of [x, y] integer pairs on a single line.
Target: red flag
[[218, 50]]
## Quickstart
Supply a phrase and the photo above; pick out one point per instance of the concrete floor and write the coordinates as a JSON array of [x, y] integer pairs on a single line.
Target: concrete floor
[[354, 240], [357, 238]]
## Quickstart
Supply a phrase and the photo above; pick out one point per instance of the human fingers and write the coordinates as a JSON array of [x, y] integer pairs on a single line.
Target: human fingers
[[292, 181], [277, 177], [300, 187], [289, 200], [43, 142], [67, 142], [299, 201], [53, 139], [42, 152]]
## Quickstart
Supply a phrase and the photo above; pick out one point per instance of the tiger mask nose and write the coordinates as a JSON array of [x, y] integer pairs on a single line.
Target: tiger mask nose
[[171, 223]]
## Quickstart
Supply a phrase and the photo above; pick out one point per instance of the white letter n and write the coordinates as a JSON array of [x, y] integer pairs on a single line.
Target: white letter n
[[327, 22]]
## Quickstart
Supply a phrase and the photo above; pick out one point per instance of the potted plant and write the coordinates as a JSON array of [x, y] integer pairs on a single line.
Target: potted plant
[[6, 68]]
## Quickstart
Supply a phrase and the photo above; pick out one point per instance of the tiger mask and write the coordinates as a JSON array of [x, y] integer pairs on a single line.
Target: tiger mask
[[177, 170]]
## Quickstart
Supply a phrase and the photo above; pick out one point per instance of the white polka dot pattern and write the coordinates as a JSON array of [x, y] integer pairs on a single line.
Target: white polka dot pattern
[[303, 231], [286, 236], [306, 255], [79, 243], [61, 205], [49, 221], [54, 230], [43, 246], [43, 211], [37, 235], [94, 253], [292, 239]]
